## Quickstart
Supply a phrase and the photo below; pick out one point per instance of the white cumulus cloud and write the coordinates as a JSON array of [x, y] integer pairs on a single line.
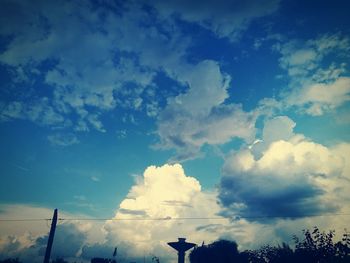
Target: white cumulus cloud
[[287, 176], [318, 98], [199, 116], [163, 193]]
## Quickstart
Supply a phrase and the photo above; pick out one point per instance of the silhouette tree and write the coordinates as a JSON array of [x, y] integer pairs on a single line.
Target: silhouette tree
[[59, 260], [314, 247], [319, 247], [103, 260], [10, 260], [155, 259], [223, 251], [271, 254]]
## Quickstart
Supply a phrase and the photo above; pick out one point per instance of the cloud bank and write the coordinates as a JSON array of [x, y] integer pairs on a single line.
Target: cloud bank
[[149, 216], [285, 175]]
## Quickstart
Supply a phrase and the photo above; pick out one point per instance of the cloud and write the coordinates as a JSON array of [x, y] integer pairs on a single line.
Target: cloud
[[23, 211], [95, 178], [69, 240], [67, 244], [92, 64], [304, 58], [86, 58], [164, 193], [286, 176], [59, 139], [167, 193], [224, 18], [39, 111], [27, 240], [199, 116], [204, 80], [317, 84], [278, 128], [322, 97], [27, 211]]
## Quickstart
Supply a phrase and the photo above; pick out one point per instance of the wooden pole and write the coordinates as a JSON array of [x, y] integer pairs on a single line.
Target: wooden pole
[[51, 236]]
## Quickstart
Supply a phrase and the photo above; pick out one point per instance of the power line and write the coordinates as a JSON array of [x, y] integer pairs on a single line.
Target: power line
[[170, 218], [25, 219]]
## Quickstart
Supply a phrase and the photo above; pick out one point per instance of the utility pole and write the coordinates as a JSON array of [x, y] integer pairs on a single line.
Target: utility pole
[[51, 236], [115, 255]]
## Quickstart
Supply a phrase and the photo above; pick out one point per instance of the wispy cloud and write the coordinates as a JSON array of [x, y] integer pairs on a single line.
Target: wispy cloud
[[317, 84], [224, 18], [63, 139], [95, 178]]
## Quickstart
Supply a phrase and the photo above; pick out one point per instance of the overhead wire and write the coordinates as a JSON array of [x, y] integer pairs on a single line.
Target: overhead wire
[[238, 217]]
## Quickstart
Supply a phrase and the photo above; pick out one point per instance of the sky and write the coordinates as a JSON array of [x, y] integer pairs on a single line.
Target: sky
[[236, 112]]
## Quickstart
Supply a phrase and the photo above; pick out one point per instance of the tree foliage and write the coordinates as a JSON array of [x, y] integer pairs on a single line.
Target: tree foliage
[[10, 260], [59, 260], [314, 247], [319, 247], [220, 251]]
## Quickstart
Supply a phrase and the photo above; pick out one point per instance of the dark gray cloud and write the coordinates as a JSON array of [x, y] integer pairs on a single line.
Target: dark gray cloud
[[247, 197], [67, 244], [10, 246], [68, 241], [281, 175], [132, 212], [176, 203]]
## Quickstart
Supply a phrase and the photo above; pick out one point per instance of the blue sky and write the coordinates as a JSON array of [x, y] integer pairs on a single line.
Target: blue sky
[[233, 109]]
